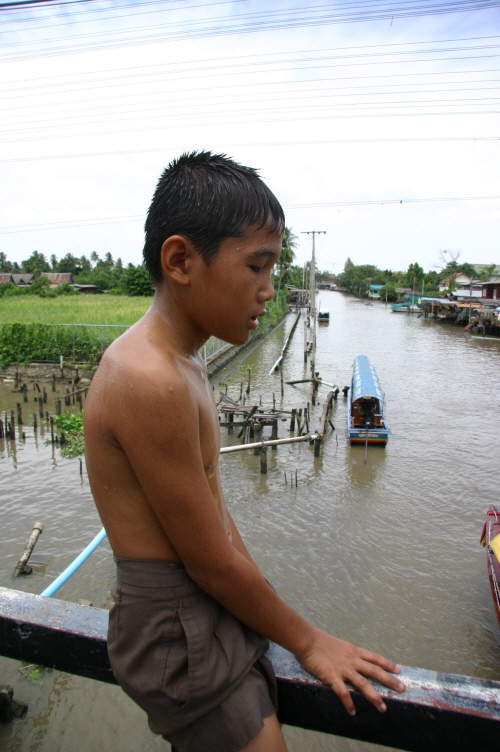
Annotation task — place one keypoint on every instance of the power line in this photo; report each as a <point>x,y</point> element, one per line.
<point>190,124</point>
<point>175,149</point>
<point>40,3</point>
<point>67,224</point>
<point>262,21</point>
<point>322,110</point>
<point>226,60</point>
<point>279,97</point>
<point>210,117</point>
<point>222,64</point>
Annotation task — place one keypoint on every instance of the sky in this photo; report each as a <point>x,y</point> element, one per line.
<point>375,122</point>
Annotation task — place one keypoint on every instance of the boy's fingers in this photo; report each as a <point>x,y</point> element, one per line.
<point>340,689</point>
<point>383,677</point>
<point>379,660</point>
<point>368,691</point>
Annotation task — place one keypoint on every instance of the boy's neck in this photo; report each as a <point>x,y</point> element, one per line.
<point>172,323</point>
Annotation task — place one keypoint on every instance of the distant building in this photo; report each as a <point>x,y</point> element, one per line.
<point>22,280</point>
<point>374,291</point>
<point>58,278</point>
<point>491,289</point>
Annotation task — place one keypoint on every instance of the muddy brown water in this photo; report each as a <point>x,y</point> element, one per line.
<point>384,554</point>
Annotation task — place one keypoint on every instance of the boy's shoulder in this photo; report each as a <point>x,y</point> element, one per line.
<point>144,378</point>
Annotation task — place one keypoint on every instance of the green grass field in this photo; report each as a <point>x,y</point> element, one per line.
<point>36,329</point>
<point>73,309</point>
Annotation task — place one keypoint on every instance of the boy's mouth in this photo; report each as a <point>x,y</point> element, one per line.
<point>253,322</point>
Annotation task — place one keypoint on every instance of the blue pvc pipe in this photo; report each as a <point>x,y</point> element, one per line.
<point>71,569</point>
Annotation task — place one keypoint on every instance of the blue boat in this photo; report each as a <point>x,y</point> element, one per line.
<point>365,417</point>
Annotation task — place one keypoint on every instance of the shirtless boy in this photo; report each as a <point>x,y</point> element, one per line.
<point>192,616</point>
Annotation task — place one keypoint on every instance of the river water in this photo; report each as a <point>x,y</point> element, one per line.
<point>384,554</point>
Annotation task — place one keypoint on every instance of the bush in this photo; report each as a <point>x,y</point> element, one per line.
<point>71,424</point>
<point>23,343</point>
<point>8,290</point>
<point>38,285</point>
<point>65,290</point>
<point>391,293</point>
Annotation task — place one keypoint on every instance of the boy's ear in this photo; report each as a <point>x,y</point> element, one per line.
<point>176,258</point>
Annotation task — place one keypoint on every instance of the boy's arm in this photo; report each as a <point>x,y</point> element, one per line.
<point>169,466</point>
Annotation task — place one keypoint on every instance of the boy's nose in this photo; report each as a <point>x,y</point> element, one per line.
<point>267,292</point>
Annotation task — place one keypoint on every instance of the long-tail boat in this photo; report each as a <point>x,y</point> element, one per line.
<point>490,538</point>
<point>365,416</point>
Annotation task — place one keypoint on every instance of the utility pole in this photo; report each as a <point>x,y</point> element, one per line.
<point>312,279</point>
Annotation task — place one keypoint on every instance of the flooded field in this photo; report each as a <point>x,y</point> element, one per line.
<point>384,554</point>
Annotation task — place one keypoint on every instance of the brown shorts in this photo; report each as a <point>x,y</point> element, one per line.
<point>199,673</point>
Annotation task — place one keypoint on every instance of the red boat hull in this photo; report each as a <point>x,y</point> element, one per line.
<point>490,530</point>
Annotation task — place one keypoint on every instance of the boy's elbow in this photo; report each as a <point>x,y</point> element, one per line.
<point>214,577</point>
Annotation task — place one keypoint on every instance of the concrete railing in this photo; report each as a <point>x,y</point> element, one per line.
<point>437,713</point>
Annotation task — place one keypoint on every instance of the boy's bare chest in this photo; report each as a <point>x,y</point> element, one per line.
<point>209,430</point>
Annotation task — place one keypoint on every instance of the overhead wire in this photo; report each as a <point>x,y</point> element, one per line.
<point>45,118</point>
<point>228,59</point>
<point>260,144</point>
<point>252,22</point>
<point>252,121</point>
<point>67,224</point>
<point>291,64</point>
<point>173,116</point>
<point>101,10</point>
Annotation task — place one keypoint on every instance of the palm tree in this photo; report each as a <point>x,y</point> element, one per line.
<point>288,243</point>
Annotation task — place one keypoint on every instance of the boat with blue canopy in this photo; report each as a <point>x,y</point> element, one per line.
<point>365,417</point>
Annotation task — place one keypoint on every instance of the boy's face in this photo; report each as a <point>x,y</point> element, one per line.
<point>232,290</point>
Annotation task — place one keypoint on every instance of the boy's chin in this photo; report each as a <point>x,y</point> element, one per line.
<point>238,340</point>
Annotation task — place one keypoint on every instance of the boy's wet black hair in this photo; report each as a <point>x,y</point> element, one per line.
<point>208,198</point>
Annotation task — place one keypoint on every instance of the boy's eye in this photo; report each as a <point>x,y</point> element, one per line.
<point>257,269</point>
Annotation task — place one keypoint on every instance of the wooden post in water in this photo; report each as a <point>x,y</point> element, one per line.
<point>25,392</point>
<point>21,564</point>
<point>248,385</point>
<point>292,420</point>
<point>281,380</point>
<point>263,460</point>
<point>274,432</point>
<point>40,406</point>
<point>53,382</point>
<point>230,421</point>
<point>19,414</point>
<point>58,406</point>
<point>1,428</point>
<point>34,421</point>
<point>44,395</point>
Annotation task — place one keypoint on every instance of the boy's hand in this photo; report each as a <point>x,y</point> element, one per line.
<point>334,662</point>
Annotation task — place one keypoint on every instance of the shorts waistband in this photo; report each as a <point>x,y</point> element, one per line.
<point>151,572</point>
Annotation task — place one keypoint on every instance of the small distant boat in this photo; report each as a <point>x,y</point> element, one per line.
<point>324,315</point>
<point>490,538</point>
<point>365,416</point>
<point>406,308</point>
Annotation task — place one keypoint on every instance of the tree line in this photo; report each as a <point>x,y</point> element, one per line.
<point>112,276</point>
<point>105,273</point>
<point>357,279</point>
